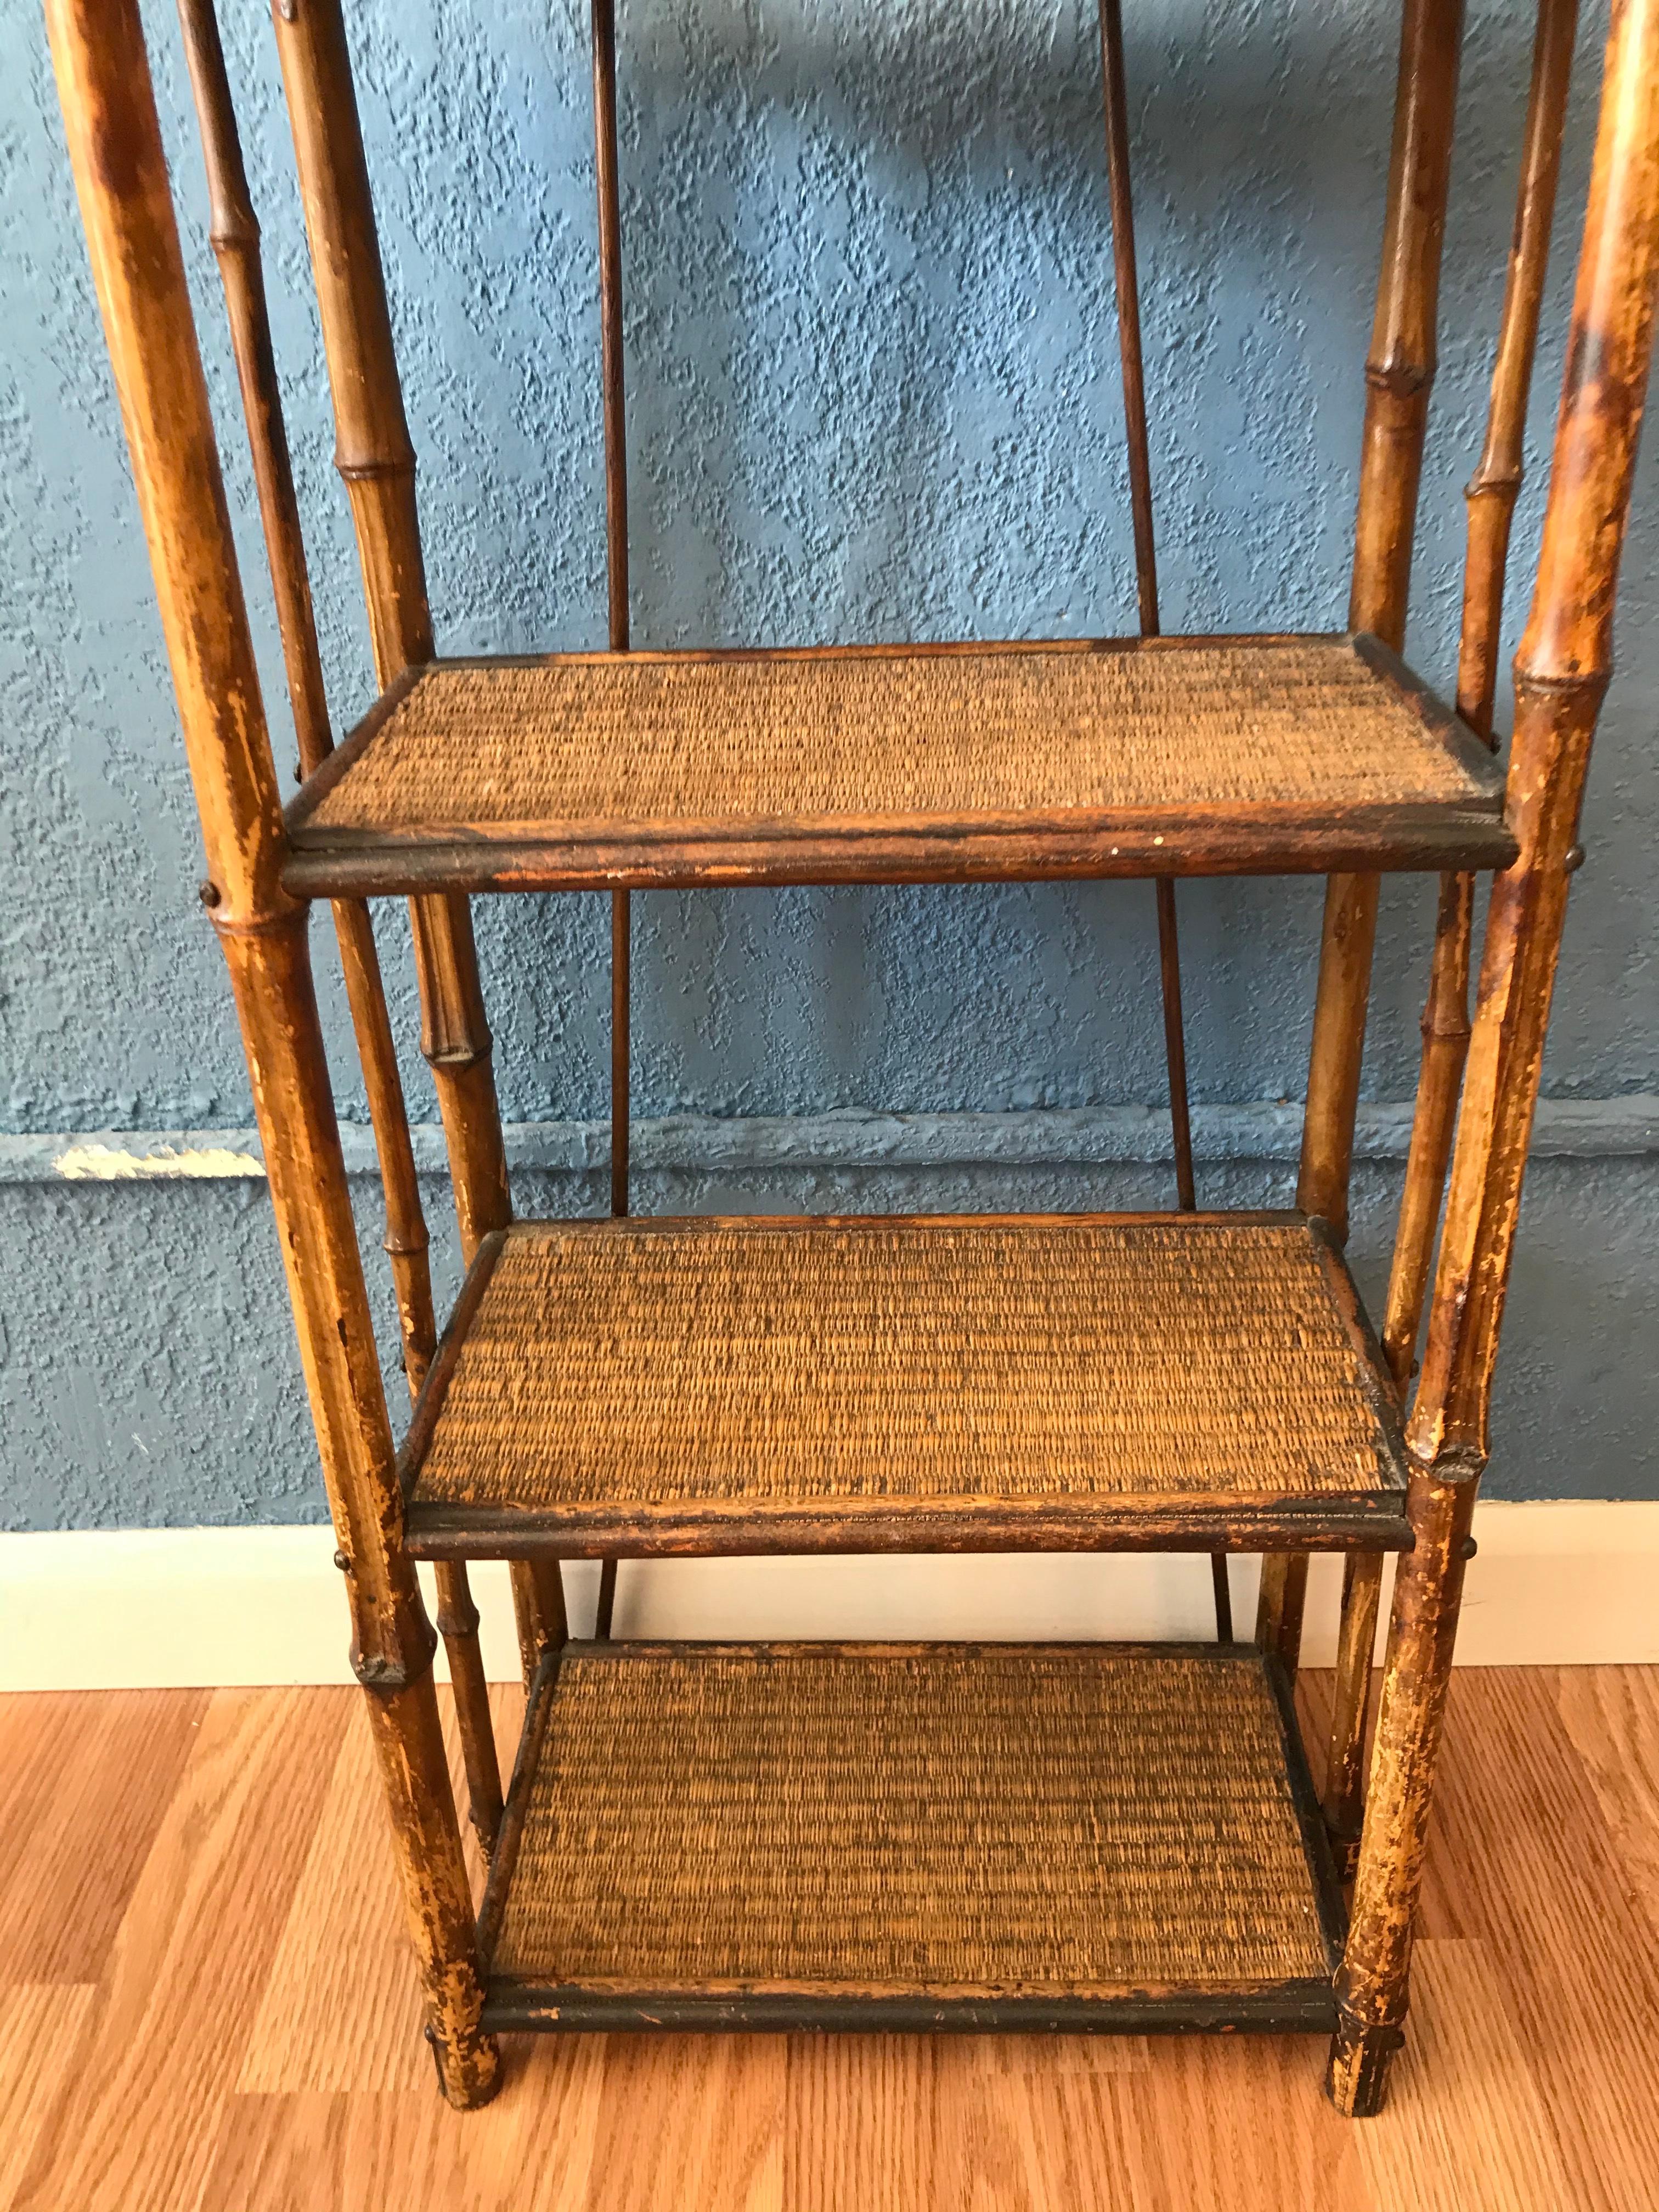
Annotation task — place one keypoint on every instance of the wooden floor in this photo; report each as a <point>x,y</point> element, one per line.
<point>205,2007</point>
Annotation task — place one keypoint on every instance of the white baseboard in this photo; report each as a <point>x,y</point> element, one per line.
<point>1556,1584</point>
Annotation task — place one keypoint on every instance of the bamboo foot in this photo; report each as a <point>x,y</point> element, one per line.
<point>1357,2072</point>
<point>469,2075</point>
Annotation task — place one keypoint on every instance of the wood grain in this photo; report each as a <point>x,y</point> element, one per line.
<point>82,1831</point>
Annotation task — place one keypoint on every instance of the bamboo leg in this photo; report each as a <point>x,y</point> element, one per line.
<point>538,1600</point>
<point>1371,1983</point>
<point>1561,674</point>
<point>602,28</point>
<point>235,231</point>
<point>120,173</point>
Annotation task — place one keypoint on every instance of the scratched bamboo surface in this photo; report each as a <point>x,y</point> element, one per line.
<point>205,2006</point>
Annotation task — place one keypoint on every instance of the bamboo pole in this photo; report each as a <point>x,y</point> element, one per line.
<point>1344,1799</point>
<point>115,148</point>
<point>1561,675</point>
<point>376,462</point>
<point>1490,500</point>
<point>233,230</point>
<point>1399,373</point>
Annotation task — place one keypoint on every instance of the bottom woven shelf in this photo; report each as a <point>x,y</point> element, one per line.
<point>911,1837</point>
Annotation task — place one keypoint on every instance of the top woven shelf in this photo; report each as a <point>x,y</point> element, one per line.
<point>888,763</point>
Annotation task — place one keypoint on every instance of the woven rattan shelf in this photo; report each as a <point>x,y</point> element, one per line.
<point>911,1836</point>
<point>912,1383</point>
<point>1166,755</point>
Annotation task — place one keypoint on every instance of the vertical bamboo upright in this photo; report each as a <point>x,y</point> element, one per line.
<point>1561,674</point>
<point>115,148</point>
<point>1491,499</point>
<point>235,231</point>
<point>1399,375</point>
<point>376,461</point>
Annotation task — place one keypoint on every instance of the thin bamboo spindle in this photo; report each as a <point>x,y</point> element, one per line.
<point>1490,500</point>
<point>1127,290</point>
<point>1496,483</point>
<point>234,233</point>
<point>115,148</point>
<point>606,171</point>
<point>1561,675</point>
<point>1399,375</point>
<point>376,462</point>
<point>616,530</point>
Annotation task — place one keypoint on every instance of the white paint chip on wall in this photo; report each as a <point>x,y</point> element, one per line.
<point>1563,1583</point>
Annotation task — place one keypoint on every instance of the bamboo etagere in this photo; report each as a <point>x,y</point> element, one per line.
<point>913,1837</point>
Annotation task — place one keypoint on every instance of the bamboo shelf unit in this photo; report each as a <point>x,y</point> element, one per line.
<point>901,1836</point>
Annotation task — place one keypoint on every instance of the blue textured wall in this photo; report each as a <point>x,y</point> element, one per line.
<point>872,394</point>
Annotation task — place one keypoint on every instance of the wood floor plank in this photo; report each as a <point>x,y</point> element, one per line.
<point>861,2123</point>
<point>190,1959</point>
<point>342,2008</point>
<point>1235,2121</point>
<point>1031,2138</point>
<point>531,2150</point>
<point>1521,1840</point>
<point>118,1762</point>
<point>1468,2127</point>
<point>688,2120</point>
<point>45,2027</point>
<point>1612,1715</point>
<point>1526,2081</point>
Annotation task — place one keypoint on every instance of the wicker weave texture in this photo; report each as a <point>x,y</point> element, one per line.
<point>950,735</point>
<point>1011,1818</point>
<point>630,1364</point>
